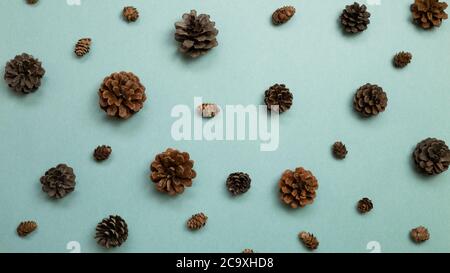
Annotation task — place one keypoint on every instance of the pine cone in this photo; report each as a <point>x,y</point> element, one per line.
<point>248,250</point>
<point>111,232</point>
<point>365,205</point>
<point>122,95</point>
<point>24,73</point>
<point>355,18</point>
<point>172,171</point>
<point>339,150</point>
<point>428,13</point>
<point>298,188</point>
<point>130,14</point>
<point>196,34</point>
<point>82,47</point>
<point>238,183</point>
<point>420,234</point>
<point>370,100</point>
<point>58,181</point>
<point>402,59</point>
<point>197,221</point>
<point>31,2</point>
<point>26,228</point>
<point>432,156</point>
<point>102,152</point>
<point>282,15</point>
<point>208,110</point>
<point>309,240</point>
<point>278,95</point>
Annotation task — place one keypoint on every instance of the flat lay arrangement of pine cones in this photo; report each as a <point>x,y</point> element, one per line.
<point>122,95</point>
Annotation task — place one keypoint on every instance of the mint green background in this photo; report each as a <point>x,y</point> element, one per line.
<point>63,123</point>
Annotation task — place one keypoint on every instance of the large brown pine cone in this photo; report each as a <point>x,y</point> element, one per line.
<point>122,95</point>
<point>111,232</point>
<point>26,228</point>
<point>282,15</point>
<point>298,188</point>
<point>24,73</point>
<point>369,100</point>
<point>197,221</point>
<point>309,240</point>
<point>278,95</point>
<point>419,234</point>
<point>172,171</point>
<point>196,34</point>
<point>432,156</point>
<point>238,183</point>
<point>428,13</point>
<point>355,18</point>
<point>58,181</point>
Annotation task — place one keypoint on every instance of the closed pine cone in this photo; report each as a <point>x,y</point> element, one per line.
<point>196,34</point>
<point>309,240</point>
<point>197,221</point>
<point>82,47</point>
<point>402,59</point>
<point>26,228</point>
<point>111,232</point>
<point>172,171</point>
<point>428,13</point>
<point>238,183</point>
<point>370,100</point>
<point>24,73</point>
<point>282,15</point>
<point>298,188</point>
<point>365,205</point>
<point>130,14</point>
<point>420,234</point>
<point>432,156</point>
<point>102,152</point>
<point>248,250</point>
<point>355,18</point>
<point>339,150</point>
<point>122,95</point>
<point>278,97</point>
<point>58,181</point>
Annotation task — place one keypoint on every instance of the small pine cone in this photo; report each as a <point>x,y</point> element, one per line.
<point>355,18</point>
<point>402,59</point>
<point>197,221</point>
<point>111,232</point>
<point>420,234</point>
<point>248,250</point>
<point>172,171</point>
<point>370,100</point>
<point>298,187</point>
<point>428,13</point>
<point>102,152</point>
<point>24,73</point>
<point>278,97</point>
<point>26,228</point>
<point>282,15</point>
<point>309,240</point>
<point>339,150</point>
<point>208,110</point>
<point>83,46</point>
<point>238,183</point>
<point>196,34</point>
<point>32,2</point>
<point>432,156</point>
<point>58,181</point>
<point>122,95</point>
<point>130,14</point>
<point>365,205</point>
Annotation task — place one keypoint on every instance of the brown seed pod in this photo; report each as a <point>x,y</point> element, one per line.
<point>197,221</point>
<point>26,228</point>
<point>282,15</point>
<point>83,46</point>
